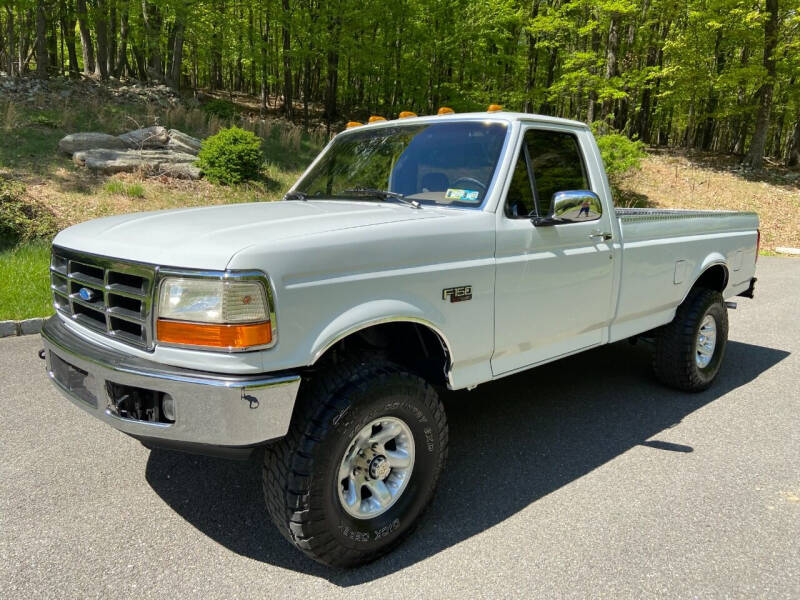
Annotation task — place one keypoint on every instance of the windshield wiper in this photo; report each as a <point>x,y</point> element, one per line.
<point>296,195</point>
<point>383,195</point>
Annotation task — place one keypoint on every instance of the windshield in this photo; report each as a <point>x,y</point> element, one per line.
<point>439,163</point>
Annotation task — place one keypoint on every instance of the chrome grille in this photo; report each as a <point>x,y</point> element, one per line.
<point>106,295</point>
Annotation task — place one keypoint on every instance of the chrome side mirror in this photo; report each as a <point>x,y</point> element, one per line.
<point>572,206</point>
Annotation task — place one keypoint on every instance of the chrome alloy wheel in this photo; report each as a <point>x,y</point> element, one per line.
<point>376,468</point>
<point>706,341</point>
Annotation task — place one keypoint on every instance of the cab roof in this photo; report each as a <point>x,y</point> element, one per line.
<point>488,116</point>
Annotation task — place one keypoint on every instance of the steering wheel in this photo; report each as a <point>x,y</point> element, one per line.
<point>474,183</point>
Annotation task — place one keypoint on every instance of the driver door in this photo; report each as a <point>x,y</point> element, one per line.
<point>553,283</point>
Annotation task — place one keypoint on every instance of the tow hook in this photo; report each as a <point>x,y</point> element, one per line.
<point>41,353</point>
<point>731,305</point>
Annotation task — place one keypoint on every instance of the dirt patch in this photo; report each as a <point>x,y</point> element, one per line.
<point>708,182</point>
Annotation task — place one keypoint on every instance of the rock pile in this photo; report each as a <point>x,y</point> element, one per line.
<point>31,90</point>
<point>154,150</point>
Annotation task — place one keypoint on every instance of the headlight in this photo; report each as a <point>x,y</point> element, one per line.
<point>222,313</point>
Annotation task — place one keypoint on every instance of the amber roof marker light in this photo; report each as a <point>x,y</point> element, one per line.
<point>351,124</point>
<point>494,108</point>
<point>445,110</point>
<point>376,118</point>
<point>406,114</point>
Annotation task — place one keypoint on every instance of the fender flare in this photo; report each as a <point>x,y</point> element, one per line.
<point>369,314</point>
<point>712,260</point>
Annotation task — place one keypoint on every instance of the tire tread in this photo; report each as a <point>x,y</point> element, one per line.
<point>288,463</point>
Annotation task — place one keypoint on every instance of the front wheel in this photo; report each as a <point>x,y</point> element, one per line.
<point>689,350</point>
<point>360,462</point>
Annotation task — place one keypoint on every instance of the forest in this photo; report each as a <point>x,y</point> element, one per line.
<point>712,75</point>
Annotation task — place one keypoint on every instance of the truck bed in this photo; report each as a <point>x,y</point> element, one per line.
<point>665,250</point>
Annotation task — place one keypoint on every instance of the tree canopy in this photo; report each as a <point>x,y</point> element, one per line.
<point>709,74</point>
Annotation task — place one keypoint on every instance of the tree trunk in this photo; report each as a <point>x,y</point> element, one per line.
<point>140,59</point>
<point>533,56</point>
<point>793,147</point>
<point>176,62</point>
<point>87,47</point>
<point>52,38</point>
<point>264,30</point>
<point>11,42</point>
<point>122,49</point>
<point>152,26</point>
<point>101,32</point>
<point>287,63</point>
<point>111,59</point>
<point>546,107</point>
<point>755,157</point>
<point>42,60</point>
<point>612,49</point>
<point>68,31</point>
<point>333,69</point>
<point>215,76</point>
<point>707,134</point>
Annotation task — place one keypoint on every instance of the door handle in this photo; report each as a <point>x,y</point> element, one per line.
<point>601,235</point>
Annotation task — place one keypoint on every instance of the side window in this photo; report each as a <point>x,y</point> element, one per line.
<point>557,165</point>
<point>519,200</point>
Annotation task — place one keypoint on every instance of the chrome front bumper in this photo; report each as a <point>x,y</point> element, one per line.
<point>210,409</point>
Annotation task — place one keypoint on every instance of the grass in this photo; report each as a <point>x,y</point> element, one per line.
<point>25,282</point>
<point>115,187</point>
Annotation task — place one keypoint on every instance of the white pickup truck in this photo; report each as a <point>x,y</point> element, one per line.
<point>413,256</point>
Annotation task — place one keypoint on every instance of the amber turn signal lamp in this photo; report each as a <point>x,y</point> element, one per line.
<point>214,335</point>
<point>351,124</point>
<point>494,108</point>
<point>376,118</point>
<point>445,110</point>
<point>406,114</point>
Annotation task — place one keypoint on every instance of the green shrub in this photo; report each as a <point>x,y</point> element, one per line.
<point>220,108</point>
<point>620,154</point>
<point>21,220</point>
<point>231,156</point>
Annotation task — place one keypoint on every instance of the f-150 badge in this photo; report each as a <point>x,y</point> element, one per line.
<point>457,294</point>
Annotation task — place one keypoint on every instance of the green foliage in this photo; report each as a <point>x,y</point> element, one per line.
<point>120,188</point>
<point>620,154</point>
<point>669,73</point>
<point>24,281</point>
<point>21,220</point>
<point>44,120</point>
<point>220,108</point>
<point>231,156</point>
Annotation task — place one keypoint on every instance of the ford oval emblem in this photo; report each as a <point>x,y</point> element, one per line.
<point>86,294</point>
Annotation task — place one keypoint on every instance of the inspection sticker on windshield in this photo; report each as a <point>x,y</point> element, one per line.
<point>456,194</point>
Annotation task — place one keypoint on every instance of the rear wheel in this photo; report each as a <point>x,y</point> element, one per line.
<point>360,463</point>
<point>689,350</point>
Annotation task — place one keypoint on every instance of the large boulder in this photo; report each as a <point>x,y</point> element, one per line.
<point>181,142</point>
<point>180,170</point>
<point>78,142</point>
<point>148,137</point>
<point>154,162</point>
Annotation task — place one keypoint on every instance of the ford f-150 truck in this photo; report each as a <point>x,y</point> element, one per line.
<point>413,256</point>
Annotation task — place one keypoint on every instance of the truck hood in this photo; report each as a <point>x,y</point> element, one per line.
<point>207,237</point>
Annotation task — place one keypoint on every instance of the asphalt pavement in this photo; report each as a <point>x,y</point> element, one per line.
<point>583,478</point>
